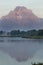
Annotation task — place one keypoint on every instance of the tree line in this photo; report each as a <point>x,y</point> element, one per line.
<point>23,33</point>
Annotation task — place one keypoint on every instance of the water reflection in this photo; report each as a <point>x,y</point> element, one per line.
<point>19,48</point>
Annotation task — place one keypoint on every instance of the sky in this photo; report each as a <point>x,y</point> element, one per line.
<point>35,5</point>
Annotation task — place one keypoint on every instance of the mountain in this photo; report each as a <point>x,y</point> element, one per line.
<point>20,18</point>
<point>20,13</point>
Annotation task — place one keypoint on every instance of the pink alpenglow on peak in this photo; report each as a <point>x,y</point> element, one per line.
<point>20,12</point>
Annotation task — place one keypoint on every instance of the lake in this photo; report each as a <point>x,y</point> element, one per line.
<point>20,51</point>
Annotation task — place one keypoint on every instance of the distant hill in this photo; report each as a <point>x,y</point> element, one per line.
<point>20,18</point>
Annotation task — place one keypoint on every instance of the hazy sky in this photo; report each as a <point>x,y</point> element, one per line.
<point>35,5</point>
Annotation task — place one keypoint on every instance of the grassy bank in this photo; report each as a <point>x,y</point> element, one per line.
<point>37,64</point>
<point>29,37</point>
<point>33,37</point>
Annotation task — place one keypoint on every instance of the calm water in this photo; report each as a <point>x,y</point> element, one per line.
<point>20,51</point>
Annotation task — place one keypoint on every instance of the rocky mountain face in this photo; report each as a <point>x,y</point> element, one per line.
<point>20,18</point>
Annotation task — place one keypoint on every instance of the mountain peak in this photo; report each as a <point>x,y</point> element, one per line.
<point>20,12</point>
<point>20,7</point>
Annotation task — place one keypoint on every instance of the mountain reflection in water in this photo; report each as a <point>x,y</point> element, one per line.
<point>20,49</point>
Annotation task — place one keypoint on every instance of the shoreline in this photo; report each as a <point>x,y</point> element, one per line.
<point>27,37</point>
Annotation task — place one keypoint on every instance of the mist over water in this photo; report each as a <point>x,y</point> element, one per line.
<point>20,51</point>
